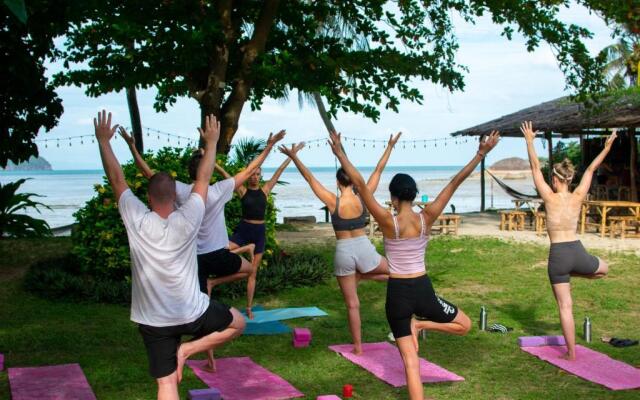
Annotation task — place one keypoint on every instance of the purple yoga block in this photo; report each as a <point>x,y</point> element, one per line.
<point>204,394</point>
<point>302,334</point>
<point>555,341</point>
<point>1,362</point>
<point>534,341</point>
<point>328,397</point>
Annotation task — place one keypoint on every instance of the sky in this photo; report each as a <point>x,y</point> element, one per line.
<point>502,78</point>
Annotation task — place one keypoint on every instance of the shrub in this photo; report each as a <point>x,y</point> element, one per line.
<point>13,222</point>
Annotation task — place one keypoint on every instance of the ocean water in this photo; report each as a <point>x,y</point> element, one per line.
<point>67,191</point>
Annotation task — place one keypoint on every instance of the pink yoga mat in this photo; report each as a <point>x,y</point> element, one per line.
<point>591,365</point>
<point>57,382</point>
<point>239,378</point>
<point>383,360</point>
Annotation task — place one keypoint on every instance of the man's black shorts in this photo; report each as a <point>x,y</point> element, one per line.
<point>218,263</point>
<point>162,342</point>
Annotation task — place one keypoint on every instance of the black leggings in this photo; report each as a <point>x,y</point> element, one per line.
<point>415,296</point>
<point>566,258</point>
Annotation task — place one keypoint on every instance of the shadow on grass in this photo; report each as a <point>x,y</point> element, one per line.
<point>525,315</point>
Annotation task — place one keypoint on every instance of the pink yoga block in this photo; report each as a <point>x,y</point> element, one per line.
<point>300,343</point>
<point>302,334</point>
<point>533,341</point>
<point>204,394</point>
<point>328,397</point>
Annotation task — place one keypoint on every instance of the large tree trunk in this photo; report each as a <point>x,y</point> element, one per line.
<point>134,114</point>
<point>323,112</point>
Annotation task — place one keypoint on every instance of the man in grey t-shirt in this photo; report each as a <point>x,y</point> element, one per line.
<point>166,300</point>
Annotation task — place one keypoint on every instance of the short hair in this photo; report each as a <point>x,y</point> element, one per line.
<point>162,187</point>
<point>194,162</point>
<point>343,178</point>
<point>564,170</point>
<point>403,187</point>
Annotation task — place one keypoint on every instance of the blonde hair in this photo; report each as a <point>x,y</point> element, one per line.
<point>564,170</point>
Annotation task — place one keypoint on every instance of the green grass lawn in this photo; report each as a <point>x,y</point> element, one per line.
<point>509,279</point>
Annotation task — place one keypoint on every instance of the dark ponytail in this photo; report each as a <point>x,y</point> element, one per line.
<point>403,187</point>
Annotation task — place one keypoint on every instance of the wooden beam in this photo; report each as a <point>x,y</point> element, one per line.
<point>482,185</point>
<point>633,163</point>
<point>550,143</point>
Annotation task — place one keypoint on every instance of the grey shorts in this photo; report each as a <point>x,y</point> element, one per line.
<point>355,254</point>
<point>566,258</point>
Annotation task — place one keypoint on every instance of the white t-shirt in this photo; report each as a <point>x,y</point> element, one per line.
<point>213,231</point>
<point>164,268</point>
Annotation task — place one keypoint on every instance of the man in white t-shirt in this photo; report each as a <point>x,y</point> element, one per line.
<point>214,257</point>
<point>166,300</point>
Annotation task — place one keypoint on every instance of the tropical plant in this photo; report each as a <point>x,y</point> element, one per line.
<point>13,222</point>
<point>224,54</point>
<point>622,61</point>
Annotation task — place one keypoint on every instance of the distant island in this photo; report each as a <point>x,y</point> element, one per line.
<point>34,164</point>
<point>508,168</point>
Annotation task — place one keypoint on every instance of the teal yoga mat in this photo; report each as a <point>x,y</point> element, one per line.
<point>280,314</point>
<point>265,328</point>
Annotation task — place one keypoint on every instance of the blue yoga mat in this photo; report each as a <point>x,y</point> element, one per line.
<point>265,328</point>
<point>279,314</point>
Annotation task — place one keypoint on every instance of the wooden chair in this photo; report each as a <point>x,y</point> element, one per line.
<point>624,226</point>
<point>512,220</point>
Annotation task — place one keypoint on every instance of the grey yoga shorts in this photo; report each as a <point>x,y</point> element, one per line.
<point>566,258</point>
<point>353,254</point>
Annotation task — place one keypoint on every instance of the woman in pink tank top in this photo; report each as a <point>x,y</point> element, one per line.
<point>411,303</point>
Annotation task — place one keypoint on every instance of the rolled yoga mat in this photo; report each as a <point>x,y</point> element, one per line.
<point>55,382</point>
<point>590,365</point>
<point>384,362</point>
<point>239,378</point>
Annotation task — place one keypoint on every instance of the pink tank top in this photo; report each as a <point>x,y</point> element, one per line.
<point>406,256</point>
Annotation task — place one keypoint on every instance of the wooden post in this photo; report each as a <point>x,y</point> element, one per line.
<point>482,184</point>
<point>550,140</point>
<point>633,161</point>
<point>582,153</point>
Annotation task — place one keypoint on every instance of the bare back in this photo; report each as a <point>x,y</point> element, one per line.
<point>350,206</point>
<point>563,212</point>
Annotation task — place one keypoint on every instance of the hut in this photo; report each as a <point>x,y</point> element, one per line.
<point>565,118</point>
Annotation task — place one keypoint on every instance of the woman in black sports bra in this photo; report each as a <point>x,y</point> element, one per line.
<point>355,258</point>
<point>251,229</point>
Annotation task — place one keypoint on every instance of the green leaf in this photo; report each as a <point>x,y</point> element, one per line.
<point>18,9</point>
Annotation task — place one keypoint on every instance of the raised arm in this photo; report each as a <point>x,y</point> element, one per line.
<point>434,209</point>
<point>380,213</point>
<point>538,179</point>
<point>137,157</point>
<point>374,179</point>
<point>325,196</point>
<point>243,175</point>
<point>104,133</point>
<point>240,190</point>
<point>585,183</point>
<point>268,187</point>
<point>210,137</point>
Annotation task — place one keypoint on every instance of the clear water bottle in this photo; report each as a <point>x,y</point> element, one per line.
<point>586,329</point>
<point>483,319</point>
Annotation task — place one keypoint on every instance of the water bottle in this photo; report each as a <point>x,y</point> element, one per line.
<point>483,319</point>
<point>425,198</point>
<point>586,329</point>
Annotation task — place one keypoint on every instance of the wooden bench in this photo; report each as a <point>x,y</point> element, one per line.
<point>624,226</point>
<point>446,223</point>
<point>512,220</point>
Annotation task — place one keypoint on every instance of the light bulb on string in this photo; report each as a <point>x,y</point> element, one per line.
<point>69,142</point>
<point>45,144</point>
<point>414,144</point>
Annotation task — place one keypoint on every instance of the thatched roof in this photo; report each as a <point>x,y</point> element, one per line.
<point>563,117</point>
<point>511,164</point>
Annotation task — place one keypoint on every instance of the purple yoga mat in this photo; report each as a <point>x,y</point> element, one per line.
<point>591,365</point>
<point>56,382</point>
<point>239,378</point>
<point>383,360</point>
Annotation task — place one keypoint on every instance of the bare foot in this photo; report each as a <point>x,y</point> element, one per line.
<point>249,313</point>
<point>182,359</point>
<point>357,350</point>
<point>414,333</point>
<point>569,357</point>
<point>211,362</point>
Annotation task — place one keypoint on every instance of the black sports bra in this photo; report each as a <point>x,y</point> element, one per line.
<point>350,224</point>
<point>254,204</point>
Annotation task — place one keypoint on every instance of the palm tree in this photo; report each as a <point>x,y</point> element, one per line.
<point>623,60</point>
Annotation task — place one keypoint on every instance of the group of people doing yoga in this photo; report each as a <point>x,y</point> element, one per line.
<point>180,249</point>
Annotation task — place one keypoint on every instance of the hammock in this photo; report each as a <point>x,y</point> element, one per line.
<point>512,192</point>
